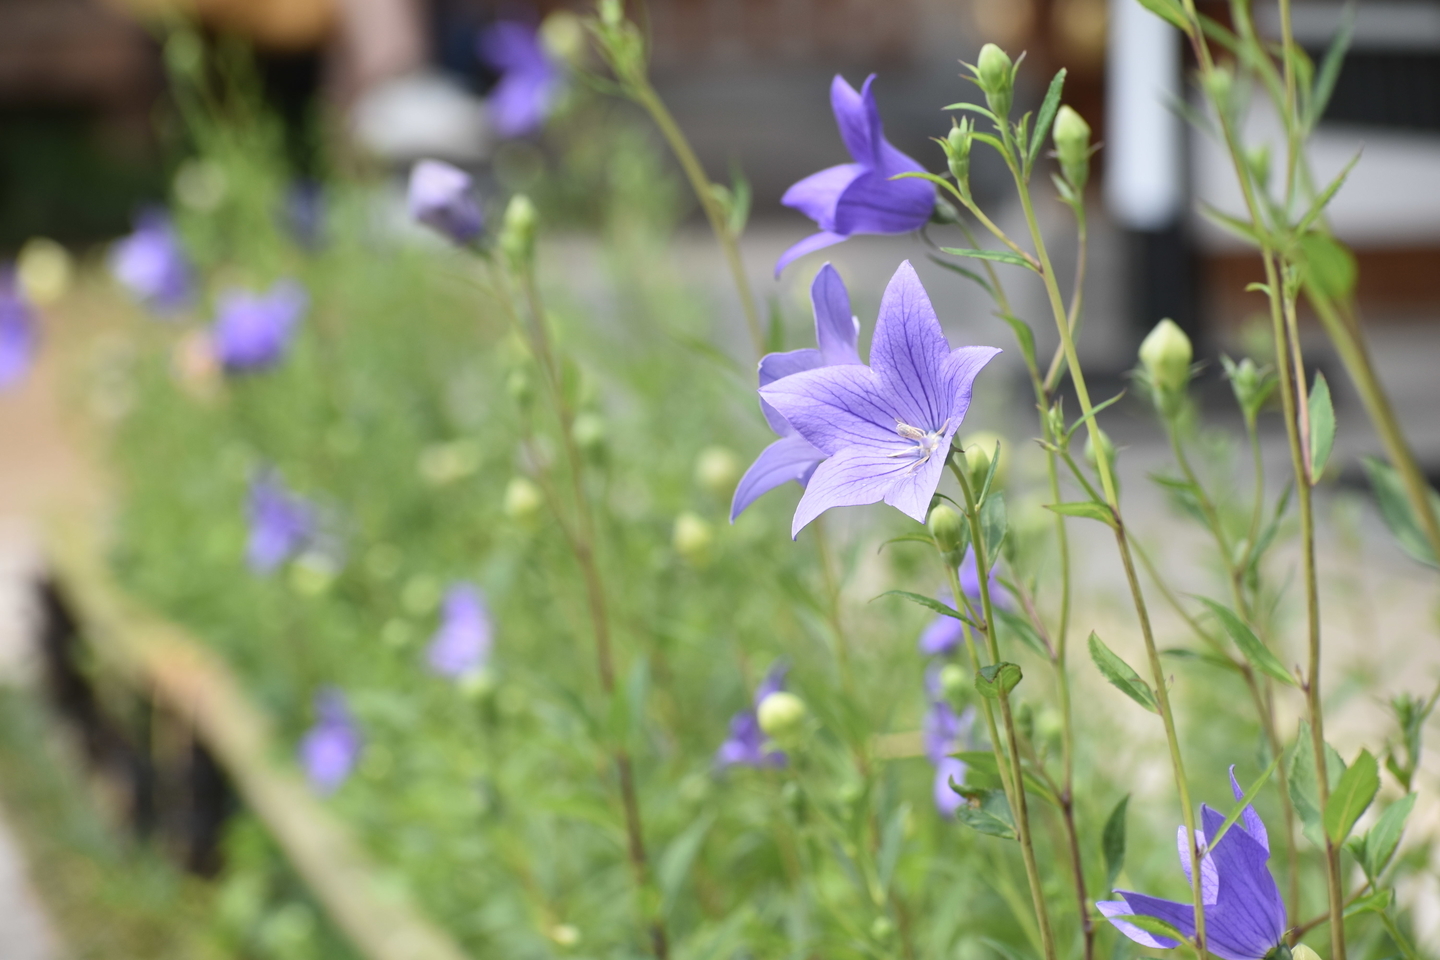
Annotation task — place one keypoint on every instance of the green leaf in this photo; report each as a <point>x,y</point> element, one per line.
<point>1247,798</point>
<point>1168,10</point>
<point>1303,793</point>
<point>1330,267</point>
<point>892,841</point>
<point>1330,68</point>
<point>1023,335</point>
<point>1377,902</point>
<point>930,603</point>
<point>989,478</point>
<point>999,256</point>
<point>924,538</point>
<point>988,813</point>
<point>1085,508</point>
<point>997,678</point>
<point>1322,427</point>
<point>1394,506</point>
<point>1322,200</point>
<point>1243,230</point>
<point>1352,795</point>
<point>1016,625</point>
<point>1112,841</point>
<point>1250,645</point>
<point>1045,118</point>
<point>993,525</point>
<point>1094,411</point>
<point>679,856</point>
<point>740,197</point>
<point>1384,837</point>
<point>1120,674</point>
<point>967,274</point>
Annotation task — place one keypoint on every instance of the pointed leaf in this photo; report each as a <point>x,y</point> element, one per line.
<point>1321,201</point>
<point>993,525</point>
<point>1394,506</point>
<point>1112,842</point>
<point>967,274</point>
<point>1169,11</point>
<point>1085,508</point>
<point>1353,794</point>
<point>1384,837</point>
<point>1330,68</point>
<point>1250,645</point>
<point>1377,902</point>
<point>1322,427</point>
<point>988,814</point>
<point>1330,267</point>
<point>1045,118</point>
<point>999,256</point>
<point>998,678</point>
<point>1013,624</point>
<point>679,856</point>
<point>930,603</point>
<point>1120,674</point>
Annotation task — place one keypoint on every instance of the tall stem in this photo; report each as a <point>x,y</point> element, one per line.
<point>1017,772</point>
<point>582,544</point>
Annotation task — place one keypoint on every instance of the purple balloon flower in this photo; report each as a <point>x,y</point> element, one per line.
<point>944,634</point>
<point>253,331</point>
<point>945,732</point>
<point>281,523</point>
<point>330,748</point>
<point>462,644</point>
<point>1244,915</point>
<point>152,265</point>
<point>886,428</point>
<point>529,79</point>
<point>747,745</point>
<point>440,198</point>
<point>792,457</point>
<point>859,197</point>
<point>17,331</point>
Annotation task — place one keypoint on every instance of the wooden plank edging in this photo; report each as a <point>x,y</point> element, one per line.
<point>196,685</point>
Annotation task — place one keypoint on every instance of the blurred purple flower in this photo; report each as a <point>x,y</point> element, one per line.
<point>792,457</point>
<point>17,331</point>
<point>152,265</point>
<point>1244,916</point>
<point>944,634</point>
<point>440,198</point>
<point>747,745</point>
<point>859,197</point>
<point>462,644</point>
<point>282,523</point>
<point>886,428</point>
<point>529,79</point>
<point>253,331</point>
<point>305,212</point>
<point>330,748</point>
<point>945,732</point>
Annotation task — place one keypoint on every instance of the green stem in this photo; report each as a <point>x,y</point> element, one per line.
<point>1017,773</point>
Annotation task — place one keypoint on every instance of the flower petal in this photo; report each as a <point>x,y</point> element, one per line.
<point>789,458</point>
<point>947,801</point>
<point>1209,878</point>
<point>962,368</point>
<point>873,203</point>
<point>816,241</point>
<point>858,119</point>
<point>837,407</point>
<point>1253,824</point>
<point>1249,915</point>
<point>909,353</point>
<point>837,330</point>
<point>817,194</point>
<point>942,636</point>
<point>774,366</point>
<point>1179,915</point>
<point>914,489</point>
<point>853,477</point>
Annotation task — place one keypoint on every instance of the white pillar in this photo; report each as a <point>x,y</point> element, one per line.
<point>1144,139</point>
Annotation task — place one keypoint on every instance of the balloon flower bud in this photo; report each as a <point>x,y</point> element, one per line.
<point>952,682</point>
<point>693,538</point>
<point>589,432</point>
<point>1072,146</point>
<point>522,499</point>
<point>44,269</point>
<point>947,528</point>
<point>1166,355</point>
<point>716,470</point>
<point>517,237</point>
<point>979,450</point>
<point>782,715</point>
<point>957,152</point>
<point>996,74</point>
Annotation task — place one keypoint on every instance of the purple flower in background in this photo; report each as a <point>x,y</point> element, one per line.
<point>462,644</point>
<point>529,79</point>
<point>17,331</point>
<point>747,745</point>
<point>944,634</point>
<point>281,523</point>
<point>859,197</point>
<point>792,457</point>
<point>440,198</point>
<point>152,265</point>
<point>945,732</point>
<point>330,748</point>
<point>253,331</point>
<point>886,428</point>
<point>1244,915</point>
<point>305,212</point>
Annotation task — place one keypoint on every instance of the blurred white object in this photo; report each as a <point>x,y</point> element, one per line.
<point>1144,187</point>
<point>422,115</point>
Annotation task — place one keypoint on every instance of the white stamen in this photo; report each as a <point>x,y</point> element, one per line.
<point>926,444</point>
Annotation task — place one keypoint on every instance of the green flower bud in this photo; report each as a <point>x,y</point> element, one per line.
<point>947,528</point>
<point>563,34</point>
<point>612,12</point>
<point>1072,145</point>
<point>523,499</point>
<point>693,538</point>
<point>1257,158</point>
<point>952,682</point>
<point>589,432</point>
<point>1166,354</point>
<point>882,929</point>
<point>716,470</point>
<point>521,388</point>
<point>1219,84</point>
<point>1251,385</point>
<point>782,715</point>
<point>517,234</point>
<point>1055,423</point>
<point>1302,952</point>
<point>957,152</point>
<point>995,71</point>
<point>979,448</point>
